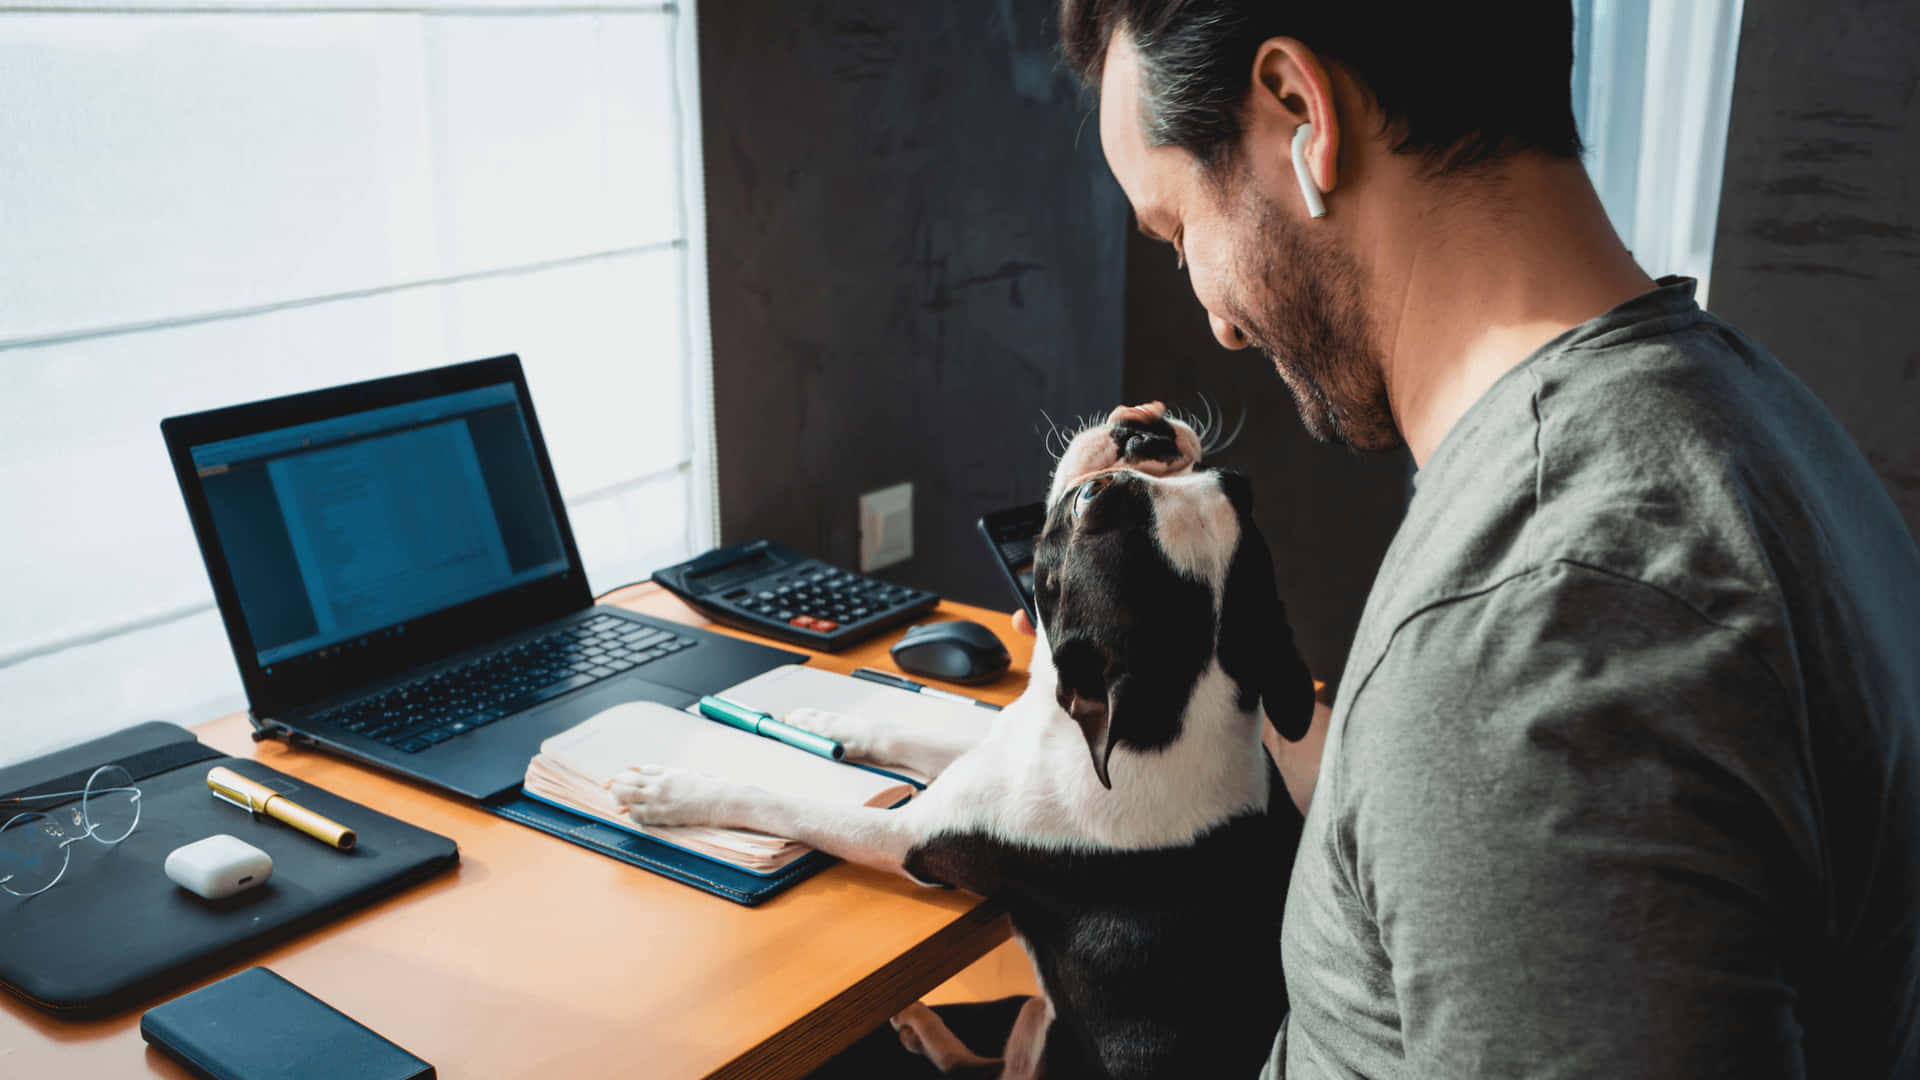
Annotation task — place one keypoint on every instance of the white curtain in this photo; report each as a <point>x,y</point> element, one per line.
<point>1652,86</point>
<point>210,203</point>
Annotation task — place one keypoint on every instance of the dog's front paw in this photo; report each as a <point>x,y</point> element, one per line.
<point>858,735</point>
<point>658,795</point>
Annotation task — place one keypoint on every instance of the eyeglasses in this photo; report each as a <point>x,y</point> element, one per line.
<point>34,844</point>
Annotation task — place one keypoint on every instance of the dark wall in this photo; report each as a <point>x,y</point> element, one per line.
<point>914,248</point>
<point>1817,254</point>
<point>1328,514</point>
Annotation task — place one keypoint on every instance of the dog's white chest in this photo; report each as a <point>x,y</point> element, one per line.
<point>1032,780</point>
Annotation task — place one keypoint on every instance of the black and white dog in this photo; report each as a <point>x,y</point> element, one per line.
<point>1123,808</point>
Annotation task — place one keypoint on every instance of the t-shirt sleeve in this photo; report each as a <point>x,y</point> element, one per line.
<point>1578,814</point>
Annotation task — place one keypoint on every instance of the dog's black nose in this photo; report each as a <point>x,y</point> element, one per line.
<point>1150,440</point>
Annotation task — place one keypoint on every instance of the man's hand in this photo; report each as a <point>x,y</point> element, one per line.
<point>1299,762</point>
<point>1152,410</point>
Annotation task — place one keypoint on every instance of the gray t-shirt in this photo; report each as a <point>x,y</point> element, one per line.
<point>1624,777</point>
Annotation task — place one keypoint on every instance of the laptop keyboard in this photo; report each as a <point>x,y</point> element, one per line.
<point>454,702</point>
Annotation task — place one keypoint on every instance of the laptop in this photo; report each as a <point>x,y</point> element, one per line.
<point>400,585</point>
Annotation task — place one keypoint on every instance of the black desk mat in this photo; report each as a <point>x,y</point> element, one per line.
<point>116,932</point>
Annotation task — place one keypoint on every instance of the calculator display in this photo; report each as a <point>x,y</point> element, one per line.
<point>721,577</point>
<point>772,590</point>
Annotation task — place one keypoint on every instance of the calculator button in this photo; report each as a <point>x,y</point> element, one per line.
<point>804,622</point>
<point>825,626</point>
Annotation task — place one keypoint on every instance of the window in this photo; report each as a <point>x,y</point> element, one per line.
<point>1652,88</point>
<point>207,204</point>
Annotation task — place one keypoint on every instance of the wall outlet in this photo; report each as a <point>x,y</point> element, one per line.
<point>886,527</point>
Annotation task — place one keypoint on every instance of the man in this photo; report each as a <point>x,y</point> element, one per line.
<point>1623,778</point>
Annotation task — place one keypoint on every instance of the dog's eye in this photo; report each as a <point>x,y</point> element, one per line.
<point>1087,491</point>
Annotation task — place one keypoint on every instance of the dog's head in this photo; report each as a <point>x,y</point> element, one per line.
<point>1148,571</point>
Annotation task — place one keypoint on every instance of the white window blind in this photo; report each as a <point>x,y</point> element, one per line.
<point>210,203</point>
<point>1652,90</point>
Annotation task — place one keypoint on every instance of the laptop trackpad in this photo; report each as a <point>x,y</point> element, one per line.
<point>496,762</point>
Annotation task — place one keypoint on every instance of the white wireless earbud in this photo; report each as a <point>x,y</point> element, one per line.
<point>1308,190</point>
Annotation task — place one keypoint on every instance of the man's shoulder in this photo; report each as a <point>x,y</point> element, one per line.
<point>1537,633</point>
<point>1559,688</point>
<point>1643,459</point>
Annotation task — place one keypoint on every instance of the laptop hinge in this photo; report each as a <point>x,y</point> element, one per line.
<point>273,729</point>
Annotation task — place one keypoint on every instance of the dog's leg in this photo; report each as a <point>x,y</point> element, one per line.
<point>926,746</point>
<point>1027,1040</point>
<point>923,1032</point>
<point>658,795</point>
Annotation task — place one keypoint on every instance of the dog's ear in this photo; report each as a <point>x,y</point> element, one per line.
<point>1256,646</point>
<point>1082,690</point>
<point>1114,706</point>
<point>1095,718</point>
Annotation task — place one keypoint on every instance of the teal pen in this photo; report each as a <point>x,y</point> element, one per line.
<point>733,714</point>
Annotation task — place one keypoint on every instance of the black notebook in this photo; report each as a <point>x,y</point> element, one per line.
<point>116,932</point>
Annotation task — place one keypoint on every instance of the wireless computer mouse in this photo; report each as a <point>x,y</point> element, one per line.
<point>956,650</point>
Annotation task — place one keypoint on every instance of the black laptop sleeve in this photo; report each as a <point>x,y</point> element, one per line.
<point>116,931</point>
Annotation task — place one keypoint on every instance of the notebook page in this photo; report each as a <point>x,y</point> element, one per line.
<point>796,686</point>
<point>645,733</point>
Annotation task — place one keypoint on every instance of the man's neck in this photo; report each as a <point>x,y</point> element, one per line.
<point>1476,278</point>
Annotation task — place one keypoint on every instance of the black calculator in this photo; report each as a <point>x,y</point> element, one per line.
<point>780,593</point>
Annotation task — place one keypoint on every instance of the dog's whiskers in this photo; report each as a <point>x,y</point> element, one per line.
<point>1053,432</point>
<point>1207,426</point>
<point>1194,421</point>
<point>1239,424</point>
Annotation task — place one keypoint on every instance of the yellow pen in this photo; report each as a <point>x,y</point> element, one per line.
<point>230,786</point>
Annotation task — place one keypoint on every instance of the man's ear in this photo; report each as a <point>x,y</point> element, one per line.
<point>1291,87</point>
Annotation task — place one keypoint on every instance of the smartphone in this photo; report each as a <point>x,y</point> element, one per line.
<point>1011,534</point>
<point>257,1024</point>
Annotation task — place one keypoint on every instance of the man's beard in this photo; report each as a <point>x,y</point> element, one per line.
<point>1305,313</point>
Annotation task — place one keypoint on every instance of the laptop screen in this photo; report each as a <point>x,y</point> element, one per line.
<point>341,532</point>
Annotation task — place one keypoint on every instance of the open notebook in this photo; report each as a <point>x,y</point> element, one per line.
<point>574,767</point>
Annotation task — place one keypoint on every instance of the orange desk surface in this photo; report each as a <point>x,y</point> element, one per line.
<point>537,958</point>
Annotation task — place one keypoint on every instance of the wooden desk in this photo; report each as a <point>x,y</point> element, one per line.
<point>535,957</point>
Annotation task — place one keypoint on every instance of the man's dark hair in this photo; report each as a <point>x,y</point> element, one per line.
<point>1458,84</point>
